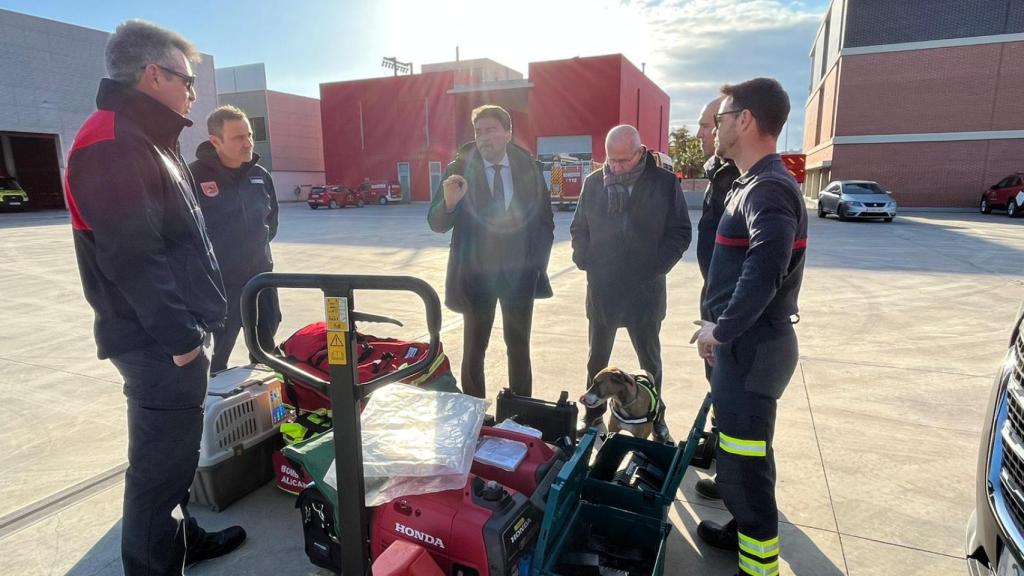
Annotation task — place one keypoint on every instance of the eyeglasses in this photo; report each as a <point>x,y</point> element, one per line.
<point>190,81</point>
<point>718,117</point>
<point>624,161</point>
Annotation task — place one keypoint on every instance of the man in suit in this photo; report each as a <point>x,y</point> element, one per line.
<point>495,202</point>
<point>630,228</point>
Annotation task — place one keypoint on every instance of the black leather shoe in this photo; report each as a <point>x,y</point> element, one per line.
<point>583,425</point>
<point>719,536</point>
<point>708,488</point>
<point>661,433</point>
<point>591,419</point>
<point>214,544</point>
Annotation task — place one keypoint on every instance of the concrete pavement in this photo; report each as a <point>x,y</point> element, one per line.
<point>903,326</point>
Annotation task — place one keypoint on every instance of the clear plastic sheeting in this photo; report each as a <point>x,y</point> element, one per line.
<point>416,441</point>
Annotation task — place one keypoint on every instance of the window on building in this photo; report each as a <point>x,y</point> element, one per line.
<point>259,128</point>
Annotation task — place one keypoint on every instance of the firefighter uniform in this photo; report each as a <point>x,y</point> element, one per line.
<point>753,285</point>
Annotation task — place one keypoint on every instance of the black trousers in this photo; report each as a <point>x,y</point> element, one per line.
<point>165,425</point>
<point>646,339</point>
<point>517,320</point>
<point>749,376</point>
<point>268,318</point>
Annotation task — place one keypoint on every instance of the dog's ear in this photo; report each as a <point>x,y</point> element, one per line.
<point>626,379</point>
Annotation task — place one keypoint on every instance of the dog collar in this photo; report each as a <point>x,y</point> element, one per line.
<point>643,383</point>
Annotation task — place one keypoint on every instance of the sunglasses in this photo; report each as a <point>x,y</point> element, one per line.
<point>718,117</point>
<point>190,81</point>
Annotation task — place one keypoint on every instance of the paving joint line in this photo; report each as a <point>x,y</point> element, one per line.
<point>61,370</point>
<point>55,503</point>
<point>824,472</point>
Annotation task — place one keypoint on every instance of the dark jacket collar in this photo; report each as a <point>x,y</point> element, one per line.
<point>206,154</point>
<point>714,165</point>
<point>758,167</point>
<point>159,122</point>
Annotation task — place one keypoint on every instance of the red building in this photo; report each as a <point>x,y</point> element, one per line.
<point>407,128</point>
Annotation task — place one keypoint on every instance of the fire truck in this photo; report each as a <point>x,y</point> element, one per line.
<point>796,164</point>
<point>567,174</point>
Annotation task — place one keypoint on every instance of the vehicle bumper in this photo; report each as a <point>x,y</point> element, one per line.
<point>13,201</point>
<point>850,213</point>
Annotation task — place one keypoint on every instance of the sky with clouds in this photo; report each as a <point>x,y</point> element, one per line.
<point>690,47</point>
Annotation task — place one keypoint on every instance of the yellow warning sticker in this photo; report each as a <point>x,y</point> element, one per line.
<point>336,352</point>
<point>336,309</point>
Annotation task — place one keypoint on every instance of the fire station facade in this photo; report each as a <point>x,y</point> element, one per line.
<point>407,128</point>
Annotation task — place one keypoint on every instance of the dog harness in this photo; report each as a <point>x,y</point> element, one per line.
<point>643,382</point>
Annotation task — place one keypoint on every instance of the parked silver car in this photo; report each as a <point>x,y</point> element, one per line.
<point>995,531</point>
<point>856,199</point>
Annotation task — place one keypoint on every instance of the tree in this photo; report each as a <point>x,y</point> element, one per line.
<point>686,152</point>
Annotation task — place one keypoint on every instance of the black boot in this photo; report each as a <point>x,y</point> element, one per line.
<point>591,419</point>
<point>213,544</point>
<point>708,488</point>
<point>661,433</point>
<point>719,536</point>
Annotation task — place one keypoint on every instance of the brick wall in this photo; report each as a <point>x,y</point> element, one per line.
<point>969,88</point>
<point>935,174</point>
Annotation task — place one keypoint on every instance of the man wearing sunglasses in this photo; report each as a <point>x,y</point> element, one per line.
<point>751,299</point>
<point>629,230</point>
<point>149,272</point>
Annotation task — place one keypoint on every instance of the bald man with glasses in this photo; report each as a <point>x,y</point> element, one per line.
<point>630,228</point>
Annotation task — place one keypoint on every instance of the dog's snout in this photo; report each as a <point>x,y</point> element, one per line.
<point>590,400</point>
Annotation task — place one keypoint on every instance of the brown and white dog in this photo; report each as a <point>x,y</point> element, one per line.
<point>632,399</point>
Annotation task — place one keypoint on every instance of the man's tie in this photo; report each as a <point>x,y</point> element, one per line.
<point>498,187</point>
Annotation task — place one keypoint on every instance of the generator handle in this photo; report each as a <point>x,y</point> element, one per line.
<point>339,285</point>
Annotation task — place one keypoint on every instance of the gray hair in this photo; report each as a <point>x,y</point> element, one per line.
<point>215,121</point>
<point>621,133</point>
<point>136,44</point>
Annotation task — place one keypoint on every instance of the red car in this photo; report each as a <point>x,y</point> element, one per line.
<point>1007,195</point>
<point>333,197</point>
<point>380,192</point>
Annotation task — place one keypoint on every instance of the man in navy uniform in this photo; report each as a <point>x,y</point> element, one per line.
<point>751,298</point>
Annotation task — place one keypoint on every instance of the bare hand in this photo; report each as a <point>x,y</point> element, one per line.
<point>706,342</point>
<point>454,189</point>
<point>184,359</point>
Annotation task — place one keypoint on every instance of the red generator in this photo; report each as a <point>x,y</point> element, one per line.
<point>487,527</point>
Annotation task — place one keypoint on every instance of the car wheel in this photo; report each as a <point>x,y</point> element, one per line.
<point>821,211</point>
<point>383,201</point>
<point>332,205</point>
<point>984,207</point>
<point>313,206</point>
<point>1012,210</point>
<point>842,213</point>
<point>360,203</point>
<point>887,219</point>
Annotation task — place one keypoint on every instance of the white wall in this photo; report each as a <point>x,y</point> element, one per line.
<point>49,73</point>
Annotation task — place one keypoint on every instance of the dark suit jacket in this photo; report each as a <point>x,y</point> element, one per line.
<point>626,255</point>
<point>488,244</point>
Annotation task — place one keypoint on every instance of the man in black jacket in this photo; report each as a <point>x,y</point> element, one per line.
<point>753,285</point>
<point>630,228</point>
<point>149,272</point>
<point>498,207</point>
<point>240,207</point>
<point>721,173</point>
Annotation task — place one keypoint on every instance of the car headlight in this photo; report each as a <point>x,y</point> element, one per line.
<point>853,204</point>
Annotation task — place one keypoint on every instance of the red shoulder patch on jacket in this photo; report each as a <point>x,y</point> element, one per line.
<point>99,127</point>
<point>210,189</point>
